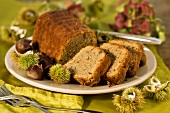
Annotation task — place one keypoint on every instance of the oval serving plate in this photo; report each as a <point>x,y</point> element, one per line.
<point>143,74</point>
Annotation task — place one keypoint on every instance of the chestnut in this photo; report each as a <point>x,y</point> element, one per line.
<point>23,45</point>
<point>35,72</point>
<point>46,63</point>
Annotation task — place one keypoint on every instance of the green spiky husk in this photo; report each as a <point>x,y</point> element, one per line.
<point>25,19</point>
<point>14,57</point>
<point>139,100</point>
<point>125,105</point>
<point>24,62</point>
<point>161,95</point>
<point>59,74</point>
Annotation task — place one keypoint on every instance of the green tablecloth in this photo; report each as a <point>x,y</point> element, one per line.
<point>101,102</point>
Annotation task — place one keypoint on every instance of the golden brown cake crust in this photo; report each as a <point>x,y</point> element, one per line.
<point>121,59</point>
<point>94,71</point>
<point>137,52</point>
<point>53,30</point>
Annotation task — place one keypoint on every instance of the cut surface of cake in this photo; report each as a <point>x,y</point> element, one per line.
<point>137,52</point>
<point>120,58</point>
<point>60,35</point>
<point>88,65</point>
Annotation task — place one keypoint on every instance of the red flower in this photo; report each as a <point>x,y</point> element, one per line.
<point>140,27</point>
<point>121,22</point>
<point>136,18</point>
<point>144,10</point>
<point>129,9</point>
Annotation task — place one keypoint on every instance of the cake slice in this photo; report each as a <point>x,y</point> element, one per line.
<point>137,52</point>
<point>120,58</point>
<point>88,65</point>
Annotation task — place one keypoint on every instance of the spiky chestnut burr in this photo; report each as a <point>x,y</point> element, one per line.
<point>157,91</point>
<point>130,100</point>
<point>59,74</point>
<point>24,62</point>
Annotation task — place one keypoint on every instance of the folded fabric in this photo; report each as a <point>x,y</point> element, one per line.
<point>44,97</point>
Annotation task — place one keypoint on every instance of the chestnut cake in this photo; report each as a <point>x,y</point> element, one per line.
<point>138,55</point>
<point>88,65</point>
<point>60,35</point>
<point>120,60</point>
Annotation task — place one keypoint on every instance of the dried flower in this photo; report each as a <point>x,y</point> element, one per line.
<point>121,21</point>
<point>130,10</point>
<point>144,10</point>
<point>130,100</point>
<point>140,27</point>
<point>16,32</point>
<point>139,18</point>
<point>13,33</point>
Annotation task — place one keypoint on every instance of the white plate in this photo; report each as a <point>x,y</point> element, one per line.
<point>143,74</point>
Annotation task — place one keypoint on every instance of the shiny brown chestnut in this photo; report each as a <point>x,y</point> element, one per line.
<point>23,45</point>
<point>35,72</point>
<point>46,63</point>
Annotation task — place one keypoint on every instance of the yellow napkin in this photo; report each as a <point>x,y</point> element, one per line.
<point>44,97</point>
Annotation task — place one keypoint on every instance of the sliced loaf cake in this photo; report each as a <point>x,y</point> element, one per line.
<point>88,65</point>
<point>120,58</point>
<point>137,52</point>
<point>60,35</point>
